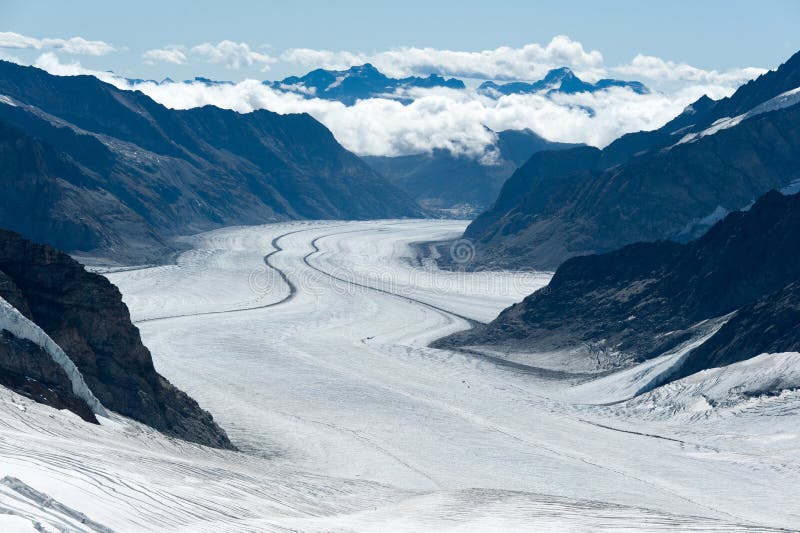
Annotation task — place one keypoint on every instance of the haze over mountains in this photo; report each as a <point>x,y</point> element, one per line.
<point>462,185</point>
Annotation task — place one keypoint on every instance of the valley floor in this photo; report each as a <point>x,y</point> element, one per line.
<point>308,343</point>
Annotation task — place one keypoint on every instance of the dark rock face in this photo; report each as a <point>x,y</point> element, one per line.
<point>645,186</point>
<point>770,325</point>
<point>442,180</point>
<point>26,369</point>
<point>90,168</point>
<point>644,299</point>
<point>359,82</point>
<point>85,315</point>
<point>560,80</point>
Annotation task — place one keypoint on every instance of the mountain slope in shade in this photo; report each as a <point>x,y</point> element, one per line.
<point>443,180</point>
<point>114,172</point>
<point>648,185</point>
<point>646,299</point>
<point>560,80</point>
<point>84,314</point>
<point>358,83</point>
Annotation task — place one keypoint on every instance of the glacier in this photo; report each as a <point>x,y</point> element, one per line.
<point>308,342</point>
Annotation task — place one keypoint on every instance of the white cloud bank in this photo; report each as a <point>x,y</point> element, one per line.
<point>655,68</point>
<point>74,45</point>
<point>444,118</point>
<point>529,62</point>
<point>526,63</point>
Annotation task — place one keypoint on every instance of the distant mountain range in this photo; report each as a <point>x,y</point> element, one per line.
<point>358,83</point>
<point>671,183</point>
<point>647,299</point>
<point>561,81</point>
<point>365,81</point>
<point>460,185</point>
<point>96,170</point>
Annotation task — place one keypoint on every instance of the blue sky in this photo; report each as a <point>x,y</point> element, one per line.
<point>679,49</point>
<point>707,34</point>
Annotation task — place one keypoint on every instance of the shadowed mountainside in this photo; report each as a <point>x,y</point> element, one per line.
<point>94,169</point>
<point>645,299</point>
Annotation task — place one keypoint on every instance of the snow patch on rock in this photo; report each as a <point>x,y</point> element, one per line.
<point>18,325</point>
<point>783,100</point>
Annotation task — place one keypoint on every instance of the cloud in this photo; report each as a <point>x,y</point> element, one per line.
<point>50,62</point>
<point>74,45</point>
<point>175,55</point>
<point>528,62</point>
<point>231,54</point>
<point>448,118</point>
<point>655,68</point>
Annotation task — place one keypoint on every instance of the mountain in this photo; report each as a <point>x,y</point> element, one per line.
<point>359,82</point>
<point>446,181</point>
<point>645,299</point>
<point>84,315</point>
<point>560,80</point>
<point>93,169</point>
<point>674,182</point>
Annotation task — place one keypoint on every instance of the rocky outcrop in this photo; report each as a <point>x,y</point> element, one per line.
<point>642,300</point>
<point>27,369</point>
<point>84,314</point>
<point>770,325</point>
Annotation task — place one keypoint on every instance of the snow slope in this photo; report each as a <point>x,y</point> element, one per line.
<point>315,361</point>
<point>783,100</point>
<point>61,474</point>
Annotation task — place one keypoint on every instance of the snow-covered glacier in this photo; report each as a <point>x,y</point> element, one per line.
<point>308,343</point>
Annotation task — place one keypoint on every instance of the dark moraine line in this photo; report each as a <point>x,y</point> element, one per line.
<point>472,322</point>
<point>292,288</point>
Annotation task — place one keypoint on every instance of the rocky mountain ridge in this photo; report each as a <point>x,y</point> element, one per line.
<point>674,182</point>
<point>84,314</point>
<point>97,170</point>
<point>646,299</point>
